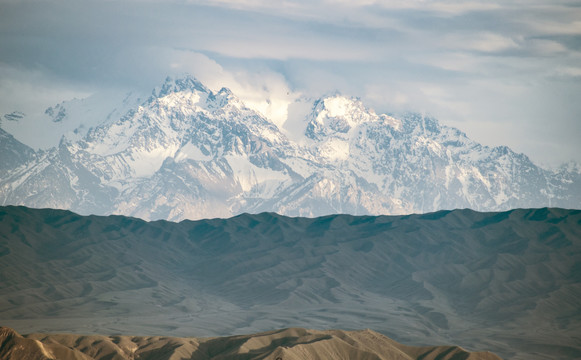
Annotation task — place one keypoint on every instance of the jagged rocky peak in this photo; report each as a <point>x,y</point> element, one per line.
<point>12,152</point>
<point>189,94</point>
<point>570,167</point>
<point>188,149</point>
<point>423,124</point>
<point>221,98</point>
<point>338,114</point>
<point>57,113</point>
<point>185,83</point>
<point>179,93</point>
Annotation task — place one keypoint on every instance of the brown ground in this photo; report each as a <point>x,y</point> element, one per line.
<point>287,344</point>
<point>506,282</point>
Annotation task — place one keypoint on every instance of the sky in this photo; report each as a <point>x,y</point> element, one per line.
<point>504,72</point>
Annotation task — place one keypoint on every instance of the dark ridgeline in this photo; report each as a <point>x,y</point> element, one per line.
<point>508,282</point>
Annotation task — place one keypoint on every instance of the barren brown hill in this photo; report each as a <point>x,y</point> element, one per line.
<point>287,344</point>
<point>507,282</point>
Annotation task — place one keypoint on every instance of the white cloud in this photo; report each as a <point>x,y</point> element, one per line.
<point>263,90</point>
<point>445,7</point>
<point>488,42</point>
<point>32,90</point>
<point>568,71</point>
<point>545,27</point>
<point>266,91</point>
<point>450,58</point>
<point>546,47</point>
<point>284,47</point>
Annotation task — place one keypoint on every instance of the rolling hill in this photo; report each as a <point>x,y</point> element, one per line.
<point>508,282</point>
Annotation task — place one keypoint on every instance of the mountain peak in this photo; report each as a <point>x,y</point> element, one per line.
<point>190,152</point>
<point>340,106</point>
<point>338,114</point>
<point>187,92</point>
<point>187,82</point>
<point>570,167</point>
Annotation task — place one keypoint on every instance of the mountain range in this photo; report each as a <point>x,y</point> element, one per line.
<point>290,344</point>
<point>507,282</point>
<point>187,152</point>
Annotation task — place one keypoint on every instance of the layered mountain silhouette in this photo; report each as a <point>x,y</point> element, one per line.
<point>507,282</point>
<point>187,152</point>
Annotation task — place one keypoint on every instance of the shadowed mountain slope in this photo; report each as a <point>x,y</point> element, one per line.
<point>507,282</point>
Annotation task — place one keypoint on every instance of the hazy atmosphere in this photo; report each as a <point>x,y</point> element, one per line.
<point>504,72</point>
<point>233,178</point>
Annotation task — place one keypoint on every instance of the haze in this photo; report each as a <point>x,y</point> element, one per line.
<point>505,72</point>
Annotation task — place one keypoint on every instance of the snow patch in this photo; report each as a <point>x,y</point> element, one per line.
<point>335,149</point>
<point>147,163</point>
<point>192,152</point>
<point>249,175</point>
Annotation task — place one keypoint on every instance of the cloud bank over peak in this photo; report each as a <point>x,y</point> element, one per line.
<point>506,72</point>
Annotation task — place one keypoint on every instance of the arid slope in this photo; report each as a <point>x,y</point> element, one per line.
<point>287,344</point>
<point>506,282</point>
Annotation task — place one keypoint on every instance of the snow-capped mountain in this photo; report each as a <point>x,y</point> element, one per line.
<point>188,152</point>
<point>71,118</point>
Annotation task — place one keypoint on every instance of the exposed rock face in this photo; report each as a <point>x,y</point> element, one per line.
<point>189,153</point>
<point>14,346</point>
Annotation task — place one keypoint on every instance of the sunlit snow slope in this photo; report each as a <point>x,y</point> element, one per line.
<point>188,153</point>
